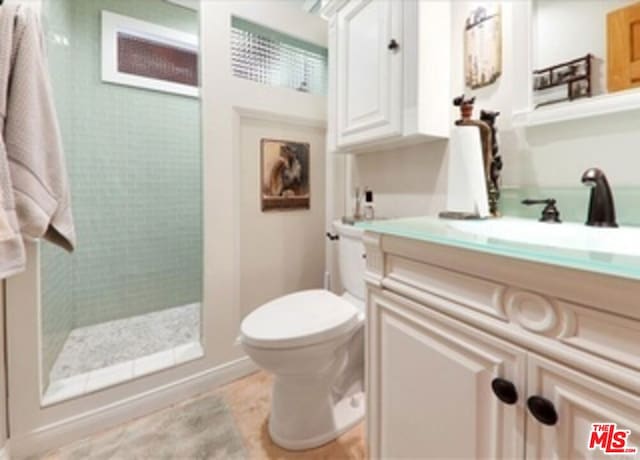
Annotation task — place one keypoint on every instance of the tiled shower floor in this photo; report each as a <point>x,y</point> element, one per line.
<point>122,349</point>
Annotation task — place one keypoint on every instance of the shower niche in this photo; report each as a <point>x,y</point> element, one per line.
<point>127,303</point>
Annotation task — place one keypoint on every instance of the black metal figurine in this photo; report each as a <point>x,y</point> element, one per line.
<point>493,185</point>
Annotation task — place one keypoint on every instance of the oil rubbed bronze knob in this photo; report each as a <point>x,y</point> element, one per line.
<point>393,45</point>
<point>543,410</point>
<point>504,390</point>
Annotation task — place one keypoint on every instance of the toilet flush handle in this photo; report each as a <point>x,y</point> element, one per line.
<point>333,237</point>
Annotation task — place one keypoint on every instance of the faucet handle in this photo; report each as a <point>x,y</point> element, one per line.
<point>550,212</point>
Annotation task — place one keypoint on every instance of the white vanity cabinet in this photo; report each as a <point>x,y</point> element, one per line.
<point>389,71</point>
<point>429,386</point>
<point>443,323</point>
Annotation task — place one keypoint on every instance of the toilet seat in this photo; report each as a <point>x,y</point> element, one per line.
<point>299,319</point>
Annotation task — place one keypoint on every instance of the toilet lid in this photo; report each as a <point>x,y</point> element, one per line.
<point>303,318</point>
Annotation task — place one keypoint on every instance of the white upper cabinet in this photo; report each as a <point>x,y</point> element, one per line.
<point>389,72</point>
<point>369,86</point>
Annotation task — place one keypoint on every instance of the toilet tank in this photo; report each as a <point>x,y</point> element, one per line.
<point>351,255</point>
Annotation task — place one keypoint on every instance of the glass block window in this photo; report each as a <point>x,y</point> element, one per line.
<point>273,58</point>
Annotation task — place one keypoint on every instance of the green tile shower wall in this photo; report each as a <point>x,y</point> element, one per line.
<point>134,159</point>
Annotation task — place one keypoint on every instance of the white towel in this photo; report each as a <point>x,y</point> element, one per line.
<point>31,149</point>
<point>12,254</point>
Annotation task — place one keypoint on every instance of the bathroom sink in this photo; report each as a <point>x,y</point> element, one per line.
<point>623,240</point>
<point>611,251</point>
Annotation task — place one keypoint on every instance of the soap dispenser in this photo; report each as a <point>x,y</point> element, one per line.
<point>369,211</point>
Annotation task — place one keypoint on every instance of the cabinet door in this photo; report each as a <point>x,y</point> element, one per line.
<point>429,385</point>
<point>369,83</point>
<point>623,48</point>
<point>579,401</point>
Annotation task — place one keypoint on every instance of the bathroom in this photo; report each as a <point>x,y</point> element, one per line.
<point>279,245</point>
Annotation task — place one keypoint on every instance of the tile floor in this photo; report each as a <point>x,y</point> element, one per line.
<point>226,423</point>
<point>114,342</point>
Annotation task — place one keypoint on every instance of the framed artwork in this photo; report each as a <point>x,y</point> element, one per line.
<point>483,45</point>
<point>145,55</point>
<point>284,175</point>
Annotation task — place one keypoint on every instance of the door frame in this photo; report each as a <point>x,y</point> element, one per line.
<point>34,428</point>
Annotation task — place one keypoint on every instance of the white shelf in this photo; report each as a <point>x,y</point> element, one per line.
<point>582,108</point>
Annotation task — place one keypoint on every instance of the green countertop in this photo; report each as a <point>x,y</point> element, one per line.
<point>614,252</point>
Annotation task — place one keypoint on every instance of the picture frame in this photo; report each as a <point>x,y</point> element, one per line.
<point>285,175</point>
<point>150,56</point>
<point>483,45</point>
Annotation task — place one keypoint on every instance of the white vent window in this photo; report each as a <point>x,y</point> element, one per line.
<point>273,58</point>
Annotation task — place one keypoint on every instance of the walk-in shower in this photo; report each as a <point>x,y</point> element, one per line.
<point>127,302</point>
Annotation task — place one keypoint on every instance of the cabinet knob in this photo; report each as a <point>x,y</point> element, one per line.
<point>543,410</point>
<point>393,45</point>
<point>504,390</point>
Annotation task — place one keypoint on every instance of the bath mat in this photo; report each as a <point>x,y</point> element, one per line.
<point>198,429</point>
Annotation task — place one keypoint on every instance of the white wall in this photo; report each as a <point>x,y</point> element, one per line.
<point>413,182</point>
<point>280,251</point>
<point>232,241</point>
<point>406,182</point>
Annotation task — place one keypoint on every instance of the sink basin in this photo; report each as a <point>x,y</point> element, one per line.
<point>623,240</point>
<point>611,251</point>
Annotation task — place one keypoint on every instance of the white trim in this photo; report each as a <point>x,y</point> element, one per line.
<point>89,382</point>
<point>524,113</point>
<point>604,104</point>
<point>244,112</point>
<point>85,424</point>
<point>113,23</point>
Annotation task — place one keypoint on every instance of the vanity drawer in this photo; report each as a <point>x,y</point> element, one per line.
<point>529,317</point>
<point>475,293</point>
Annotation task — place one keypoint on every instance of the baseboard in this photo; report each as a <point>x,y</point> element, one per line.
<point>5,453</point>
<point>83,425</point>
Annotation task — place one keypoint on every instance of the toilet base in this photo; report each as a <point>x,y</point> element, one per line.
<point>346,414</point>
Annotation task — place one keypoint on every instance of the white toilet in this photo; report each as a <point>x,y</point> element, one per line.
<point>313,343</point>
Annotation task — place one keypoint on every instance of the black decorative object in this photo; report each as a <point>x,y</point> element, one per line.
<point>493,185</point>
<point>574,74</point>
<point>466,107</point>
<point>488,135</point>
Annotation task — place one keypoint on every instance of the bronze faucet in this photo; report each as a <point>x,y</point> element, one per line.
<point>602,212</point>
